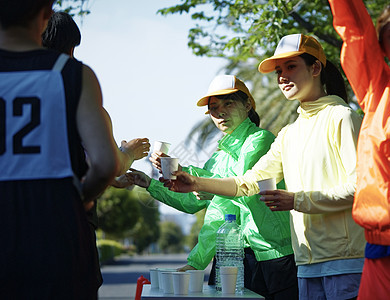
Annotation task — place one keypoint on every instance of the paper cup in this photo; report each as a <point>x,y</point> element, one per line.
<point>167,282</point>
<point>228,277</point>
<point>160,270</point>
<point>181,282</point>
<point>267,184</point>
<point>154,279</point>
<point>169,165</point>
<point>196,281</point>
<point>161,147</point>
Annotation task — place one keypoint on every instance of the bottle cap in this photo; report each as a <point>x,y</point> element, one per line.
<point>230,217</point>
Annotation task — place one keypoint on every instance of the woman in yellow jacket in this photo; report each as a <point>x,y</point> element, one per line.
<point>368,73</point>
<point>316,156</point>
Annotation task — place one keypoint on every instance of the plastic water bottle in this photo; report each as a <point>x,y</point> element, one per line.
<point>230,251</point>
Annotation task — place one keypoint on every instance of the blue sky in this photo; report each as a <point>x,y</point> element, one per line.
<point>150,79</point>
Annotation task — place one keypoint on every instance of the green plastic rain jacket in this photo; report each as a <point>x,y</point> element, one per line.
<point>267,233</point>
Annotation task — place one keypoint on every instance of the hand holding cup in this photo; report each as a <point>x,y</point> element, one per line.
<point>160,149</point>
<point>268,184</point>
<point>168,166</point>
<point>184,183</point>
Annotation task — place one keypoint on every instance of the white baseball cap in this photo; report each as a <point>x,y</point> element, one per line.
<point>293,45</point>
<point>224,85</point>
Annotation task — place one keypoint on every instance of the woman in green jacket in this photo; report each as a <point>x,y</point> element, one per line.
<point>269,265</point>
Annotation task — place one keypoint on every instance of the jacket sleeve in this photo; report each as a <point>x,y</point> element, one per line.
<point>187,202</point>
<point>253,150</point>
<point>254,147</point>
<point>361,55</point>
<point>269,165</point>
<point>344,135</point>
<point>199,172</point>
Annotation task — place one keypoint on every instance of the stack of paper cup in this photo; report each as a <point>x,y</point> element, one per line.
<point>154,279</point>
<point>228,277</point>
<point>160,270</point>
<point>167,282</point>
<point>181,281</point>
<point>196,281</point>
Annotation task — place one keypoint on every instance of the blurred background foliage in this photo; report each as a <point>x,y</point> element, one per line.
<point>247,31</point>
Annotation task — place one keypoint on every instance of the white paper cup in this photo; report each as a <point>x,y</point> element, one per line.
<point>196,281</point>
<point>228,277</point>
<point>161,147</point>
<point>160,270</point>
<point>267,184</point>
<point>167,282</point>
<point>169,165</point>
<point>154,278</point>
<point>181,282</point>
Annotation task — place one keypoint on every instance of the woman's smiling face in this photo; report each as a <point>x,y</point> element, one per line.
<point>227,114</point>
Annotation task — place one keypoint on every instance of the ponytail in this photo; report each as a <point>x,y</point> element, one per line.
<point>334,81</point>
<point>254,117</point>
<point>330,77</point>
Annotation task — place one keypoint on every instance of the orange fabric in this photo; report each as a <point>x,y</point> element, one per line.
<point>375,280</point>
<point>363,62</point>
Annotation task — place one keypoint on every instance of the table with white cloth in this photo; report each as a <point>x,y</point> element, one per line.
<point>209,292</point>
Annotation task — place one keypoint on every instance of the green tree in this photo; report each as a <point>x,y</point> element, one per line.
<point>243,29</point>
<point>147,229</point>
<point>171,238</point>
<point>118,211</point>
<point>73,7</point>
<point>246,31</point>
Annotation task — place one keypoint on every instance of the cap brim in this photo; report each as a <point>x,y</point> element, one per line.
<point>268,65</point>
<point>205,100</point>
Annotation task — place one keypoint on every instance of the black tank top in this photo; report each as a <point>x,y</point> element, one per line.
<point>41,61</point>
<point>48,250</point>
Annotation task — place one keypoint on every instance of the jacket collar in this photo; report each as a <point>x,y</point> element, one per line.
<point>311,108</point>
<point>232,143</point>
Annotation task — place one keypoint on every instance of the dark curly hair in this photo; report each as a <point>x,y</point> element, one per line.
<point>62,33</point>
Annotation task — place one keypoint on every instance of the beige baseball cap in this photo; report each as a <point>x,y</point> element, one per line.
<point>224,85</point>
<point>293,45</point>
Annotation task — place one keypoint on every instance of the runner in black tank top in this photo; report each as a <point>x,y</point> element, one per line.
<point>42,213</point>
<point>50,113</point>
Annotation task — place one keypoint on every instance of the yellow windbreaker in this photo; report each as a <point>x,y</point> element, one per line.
<point>316,155</point>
